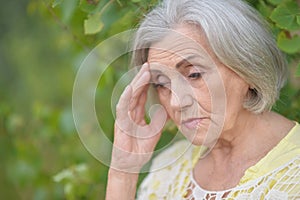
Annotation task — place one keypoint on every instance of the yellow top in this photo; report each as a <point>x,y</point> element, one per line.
<point>274,177</point>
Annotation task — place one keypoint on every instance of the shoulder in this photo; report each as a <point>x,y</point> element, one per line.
<point>284,152</point>
<point>281,163</point>
<point>278,173</point>
<point>293,136</point>
<point>289,147</point>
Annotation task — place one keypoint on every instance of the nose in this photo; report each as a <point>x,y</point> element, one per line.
<point>181,94</point>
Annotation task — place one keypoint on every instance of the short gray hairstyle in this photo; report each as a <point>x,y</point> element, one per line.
<point>238,36</point>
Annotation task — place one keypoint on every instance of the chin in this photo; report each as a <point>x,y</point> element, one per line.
<point>200,137</point>
<point>198,141</point>
<point>196,137</point>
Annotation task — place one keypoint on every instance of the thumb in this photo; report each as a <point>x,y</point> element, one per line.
<point>158,116</point>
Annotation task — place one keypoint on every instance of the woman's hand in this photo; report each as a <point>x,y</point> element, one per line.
<point>134,139</point>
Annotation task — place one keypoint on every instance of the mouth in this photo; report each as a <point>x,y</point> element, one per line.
<point>192,123</point>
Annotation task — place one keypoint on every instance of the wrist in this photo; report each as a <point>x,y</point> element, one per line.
<point>121,185</point>
<point>122,176</point>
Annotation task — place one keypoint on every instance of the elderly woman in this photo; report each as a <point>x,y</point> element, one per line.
<point>217,72</point>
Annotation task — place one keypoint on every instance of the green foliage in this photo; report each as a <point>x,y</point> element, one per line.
<point>298,70</point>
<point>285,15</point>
<point>42,45</point>
<point>287,43</point>
<point>76,180</point>
<point>275,2</point>
<point>93,24</point>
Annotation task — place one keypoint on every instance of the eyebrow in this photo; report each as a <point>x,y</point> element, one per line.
<point>186,60</point>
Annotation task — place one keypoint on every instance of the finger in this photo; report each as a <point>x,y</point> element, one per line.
<point>140,108</point>
<point>123,121</point>
<point>138,112</point>
<point>139,87</point>
<point>145,67</point>
<point>138,82</point>
<point>122,107</point>
<point>158,120</point>
<point>137,104</point>
<point>156,125</point>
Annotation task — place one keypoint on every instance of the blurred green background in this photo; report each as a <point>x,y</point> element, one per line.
<point>42,46</point>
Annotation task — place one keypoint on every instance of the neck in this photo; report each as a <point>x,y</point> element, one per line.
<point>239,147</point>
<point>239,140</point>
<point>251,136</point>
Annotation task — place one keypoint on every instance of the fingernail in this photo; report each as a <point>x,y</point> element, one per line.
<point>145,65</point>
<point>127,88</point>
<point>145,73</point>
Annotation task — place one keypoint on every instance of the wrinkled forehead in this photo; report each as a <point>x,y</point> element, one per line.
<point>177,47</point>
<point>180,41</point>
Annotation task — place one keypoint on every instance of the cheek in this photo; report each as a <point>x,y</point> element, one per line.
<point>165,102</point>
<point>236,92</point>
<point>231,115</point>
<point>236,95</point>
<point>203,97</point>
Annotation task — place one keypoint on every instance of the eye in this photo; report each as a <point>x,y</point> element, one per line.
<point>161,81</point>
<point>158,85</point>
<point>195,75</point>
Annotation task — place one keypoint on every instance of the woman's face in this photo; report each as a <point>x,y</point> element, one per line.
<point>202,96</point>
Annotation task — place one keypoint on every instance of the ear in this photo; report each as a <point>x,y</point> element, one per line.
<point>248,89</point>
<point>251,94</point>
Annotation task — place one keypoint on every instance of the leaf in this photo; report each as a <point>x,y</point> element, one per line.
<point>298,71</point>
<point>288,45</point>
<point>71,173</point>
<point>136,1</point>
<point>298,20</point>
<point>264,9</point>
<point>88,6</point>
<point>56,3</point>
<point>66,121</point>
<point>93,24</point>
<point>65,174</point>
<point>68,8</point>
<point>285,15</point>
<point>275,2</point>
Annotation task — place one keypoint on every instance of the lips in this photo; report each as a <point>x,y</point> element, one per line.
<point>193,123</point>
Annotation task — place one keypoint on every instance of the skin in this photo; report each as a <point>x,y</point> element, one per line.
<point>205,99</point>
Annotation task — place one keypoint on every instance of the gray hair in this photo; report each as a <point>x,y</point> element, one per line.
<point>237,34</point>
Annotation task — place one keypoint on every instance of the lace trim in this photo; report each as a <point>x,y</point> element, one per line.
<point>280,184</point>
